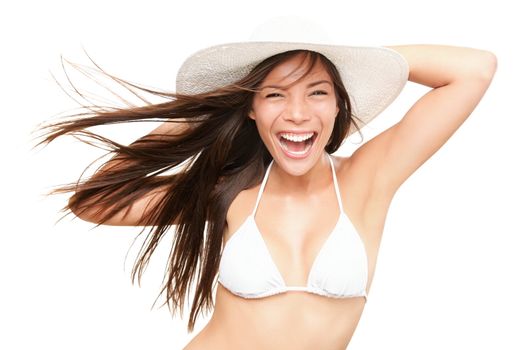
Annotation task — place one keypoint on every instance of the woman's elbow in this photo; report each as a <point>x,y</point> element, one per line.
<point>489,65</point>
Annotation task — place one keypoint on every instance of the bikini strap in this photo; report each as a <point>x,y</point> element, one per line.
<point>263,184</point>
<point>336,184</point>
<point>265,179</point>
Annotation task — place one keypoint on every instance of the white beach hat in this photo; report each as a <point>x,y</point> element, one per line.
<point>372,76</point>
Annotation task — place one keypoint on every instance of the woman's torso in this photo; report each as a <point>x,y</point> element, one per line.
<point>298,320</point>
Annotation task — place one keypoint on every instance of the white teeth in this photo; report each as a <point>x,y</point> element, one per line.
<point>297,137</point>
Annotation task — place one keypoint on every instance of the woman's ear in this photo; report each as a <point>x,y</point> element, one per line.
<point>251,114</point>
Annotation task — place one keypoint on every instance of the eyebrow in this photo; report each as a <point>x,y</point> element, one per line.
<point>308,86</point>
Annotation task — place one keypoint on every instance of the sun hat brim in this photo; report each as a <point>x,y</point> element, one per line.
<point>372,76</point>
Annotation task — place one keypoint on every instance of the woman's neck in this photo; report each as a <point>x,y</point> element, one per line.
<point>314,180</point>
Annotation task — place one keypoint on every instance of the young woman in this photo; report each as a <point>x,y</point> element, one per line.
<point>259,205</point>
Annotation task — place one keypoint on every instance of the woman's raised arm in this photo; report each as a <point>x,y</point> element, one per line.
<point>459,77</point>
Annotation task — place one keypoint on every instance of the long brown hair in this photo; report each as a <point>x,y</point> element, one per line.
<point>220,155</point>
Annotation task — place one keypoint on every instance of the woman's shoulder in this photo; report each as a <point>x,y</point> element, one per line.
<point>347,166</point>
<point>357,173</point>
<point>364,201</point>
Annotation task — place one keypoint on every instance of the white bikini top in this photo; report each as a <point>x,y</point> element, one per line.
<point>340,269</point>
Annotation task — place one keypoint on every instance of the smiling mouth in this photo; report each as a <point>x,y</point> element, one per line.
<point>297,144</point>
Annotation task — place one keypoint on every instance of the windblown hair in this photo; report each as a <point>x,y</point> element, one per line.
<point>220,155</point>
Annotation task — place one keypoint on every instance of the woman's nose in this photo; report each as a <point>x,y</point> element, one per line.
<point>297,111</point>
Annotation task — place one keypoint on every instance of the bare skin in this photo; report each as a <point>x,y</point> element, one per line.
<point>297,320</point>
<point>368,181</point>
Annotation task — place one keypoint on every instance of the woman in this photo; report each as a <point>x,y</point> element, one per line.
<point>290,232</point>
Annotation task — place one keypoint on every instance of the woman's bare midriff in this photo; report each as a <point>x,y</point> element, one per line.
<point>295,319</point>
<point>292,320</point>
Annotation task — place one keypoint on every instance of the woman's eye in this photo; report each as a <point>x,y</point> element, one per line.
<point>276,94</point>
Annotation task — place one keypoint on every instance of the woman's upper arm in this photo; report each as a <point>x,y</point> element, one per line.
<point>131,215</point>
<point>400,150</point>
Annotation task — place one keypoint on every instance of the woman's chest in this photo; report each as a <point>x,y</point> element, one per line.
<point>294,230</point>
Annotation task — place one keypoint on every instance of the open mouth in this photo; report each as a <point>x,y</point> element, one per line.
<point>297,145</point>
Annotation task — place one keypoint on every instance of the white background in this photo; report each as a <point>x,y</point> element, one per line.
<point>450,268</point>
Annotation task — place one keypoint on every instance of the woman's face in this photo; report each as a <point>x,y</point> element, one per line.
<point>295,123</point>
